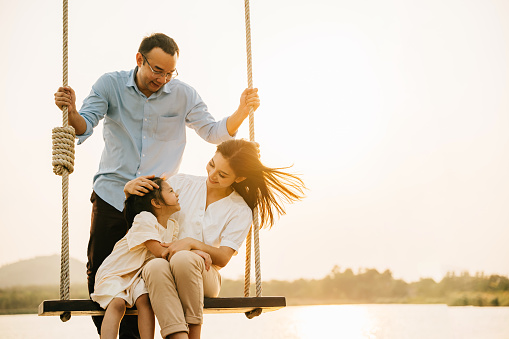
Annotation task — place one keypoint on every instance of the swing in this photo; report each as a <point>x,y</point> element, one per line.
<point>63,165</point>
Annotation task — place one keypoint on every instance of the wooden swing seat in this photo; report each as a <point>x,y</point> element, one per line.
<point>211,306</point>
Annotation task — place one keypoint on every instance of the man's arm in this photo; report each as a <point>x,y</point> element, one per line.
<point>140,186</point>
<point>65,96</point>
<point>249,99</point>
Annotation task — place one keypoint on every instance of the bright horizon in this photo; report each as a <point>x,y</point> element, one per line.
<point>395,114</point>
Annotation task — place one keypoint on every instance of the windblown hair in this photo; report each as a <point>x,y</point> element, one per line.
<point>136,204</point>
<point>164,42</point>
<point>264,187</point>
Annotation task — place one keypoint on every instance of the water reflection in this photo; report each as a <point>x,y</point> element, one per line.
<point>338,321</point>
<point>346,321</point>
<point>307,322</point>
<point>353,322</point>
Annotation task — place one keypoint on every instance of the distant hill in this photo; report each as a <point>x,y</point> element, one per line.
<point>40,271</point>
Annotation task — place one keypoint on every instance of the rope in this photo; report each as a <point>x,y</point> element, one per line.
<point>63,165</point>
<point>255,228</point>
<point>247,271</point>
<point>256,224</point>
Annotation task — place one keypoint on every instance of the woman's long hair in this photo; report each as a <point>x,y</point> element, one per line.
<point>136,204</point>
<point>264,187</point>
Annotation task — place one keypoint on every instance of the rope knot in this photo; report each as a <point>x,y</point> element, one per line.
<point>63,150</point>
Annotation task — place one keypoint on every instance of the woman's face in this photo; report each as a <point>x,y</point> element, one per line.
<point>220,174</point>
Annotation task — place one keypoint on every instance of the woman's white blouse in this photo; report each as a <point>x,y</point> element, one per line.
<point>225,222</point>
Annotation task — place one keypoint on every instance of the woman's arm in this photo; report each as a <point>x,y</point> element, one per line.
<point>156,248</point>
<point>220,256</point>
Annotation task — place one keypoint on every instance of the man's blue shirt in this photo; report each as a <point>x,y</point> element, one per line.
<point>143,136</point>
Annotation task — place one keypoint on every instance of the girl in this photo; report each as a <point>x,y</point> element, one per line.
<point>216,213</point>
<point>118,282</point>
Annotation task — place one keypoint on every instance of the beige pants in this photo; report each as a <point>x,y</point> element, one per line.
<point>177,288</point>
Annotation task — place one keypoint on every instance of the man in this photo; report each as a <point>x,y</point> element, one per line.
<point>145,112</point>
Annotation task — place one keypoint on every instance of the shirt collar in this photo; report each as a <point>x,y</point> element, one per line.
<point>166,88</point>
<point>132,74</point>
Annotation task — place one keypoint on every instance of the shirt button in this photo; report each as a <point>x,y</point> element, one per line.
<point>145,119</point>
<point>144,137</point>
<point>139,172</point>
<point>143,155</point>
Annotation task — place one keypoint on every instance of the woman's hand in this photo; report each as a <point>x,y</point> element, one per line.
<point>140,186</point>
<point>186,244</point>
<point>206,257</point>
<point>219,256</point>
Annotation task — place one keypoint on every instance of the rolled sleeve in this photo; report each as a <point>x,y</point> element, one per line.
<point>223,131</point>
<point>81,138</point>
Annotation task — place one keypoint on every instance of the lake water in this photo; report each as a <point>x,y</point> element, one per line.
<point>306,322</point>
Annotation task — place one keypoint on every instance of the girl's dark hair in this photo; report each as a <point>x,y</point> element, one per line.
<point>264,187</point>
<point>136,204</point>
<point>164,42</point>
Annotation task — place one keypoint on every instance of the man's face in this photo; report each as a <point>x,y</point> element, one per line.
<point>154,70</point>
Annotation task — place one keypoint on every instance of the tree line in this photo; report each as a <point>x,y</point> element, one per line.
<point>338,287</point>
<point>371,286</point>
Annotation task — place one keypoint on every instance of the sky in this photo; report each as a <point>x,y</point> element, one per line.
<point>395,114</point>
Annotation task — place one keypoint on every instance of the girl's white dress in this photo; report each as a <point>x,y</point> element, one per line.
<point>119,276</point>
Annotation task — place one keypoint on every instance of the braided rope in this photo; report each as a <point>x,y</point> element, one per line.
<point>247,270</point>
<point>63,150</point>
<point>249,66</point>
<point>256,225</point>
<point>256,237</point>
<point>63,165</point>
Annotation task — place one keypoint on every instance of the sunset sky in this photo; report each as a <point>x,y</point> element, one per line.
<point>395,113</point>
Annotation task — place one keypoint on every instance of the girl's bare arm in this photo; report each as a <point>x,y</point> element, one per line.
<point>156,248</point>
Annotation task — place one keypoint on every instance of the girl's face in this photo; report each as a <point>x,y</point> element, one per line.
<point>170,197</point>
<point>220,174</point>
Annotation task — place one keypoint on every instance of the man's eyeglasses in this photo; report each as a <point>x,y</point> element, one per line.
<point>158,74</point>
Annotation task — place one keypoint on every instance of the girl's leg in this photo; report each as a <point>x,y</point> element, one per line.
<point>112,317</point>
<point>146,321</point>
<point>194,331</point>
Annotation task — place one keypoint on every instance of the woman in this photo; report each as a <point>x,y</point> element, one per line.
<point>215,216</point>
